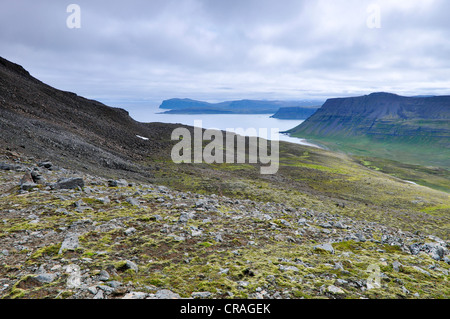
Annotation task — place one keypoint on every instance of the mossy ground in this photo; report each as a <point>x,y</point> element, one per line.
<point>245,242</point>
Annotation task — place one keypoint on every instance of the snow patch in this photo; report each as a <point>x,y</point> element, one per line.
<point>142,138</point>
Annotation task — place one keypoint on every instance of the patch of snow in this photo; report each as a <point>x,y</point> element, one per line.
<point>142,138</point>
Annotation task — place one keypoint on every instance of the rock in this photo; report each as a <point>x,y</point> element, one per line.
<point>117,183</point>
<point>325,247</point>
<point>391,240</point>
<point>285,223</point>
<point>201,295</point>
<point>11,167</point>
<point>130,231</point>
<point>69,183</point>
<point>422,270</point>
<point>28,186</point>
<point>135,295</point>
<point>218,238</point>
<point>128,265</point>
<point>103,276</point>
<point>414,248</point>
<point>74,278</point>
<point>340,225</point>
<point>92,290</point>
<point>99,294</point>
<point>112,183</point>
<point>326,225</point>
<point>435,250</point>
<point>184,217</point>
<point>106,289</point>
<point>46,164</point>
<point>195,232</point>
<point>335,290</point>
<point>133,201</point>
<point>70,243</point>
<point>37,177</point>
<point>360,237</point>
<point>338,266</point>
<point>26,178</point>
<point>163,189</point>
<point>288,268</point>
<point>224,270</point>
<point>115,285</point>
<point>200,203</point>
<point>104,200</point>
<point>46,277</point>
<point>166,294</point>
<point>397,266</point>
<point>341,282</point>
<point>177,238</point>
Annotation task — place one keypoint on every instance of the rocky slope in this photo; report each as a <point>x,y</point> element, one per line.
<point>416,125</point>
<point>42,121</point>
<point>91,209</point>
<point>65,234</point>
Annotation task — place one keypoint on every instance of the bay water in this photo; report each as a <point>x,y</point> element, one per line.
<point>147,113</point>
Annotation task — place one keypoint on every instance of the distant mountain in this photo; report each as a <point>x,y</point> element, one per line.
<point>188,106</point>
<point>294,113</point>
<point>360,124</point>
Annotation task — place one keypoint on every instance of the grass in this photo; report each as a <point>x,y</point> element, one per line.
<point>356,186</point>
<point>407,151</point>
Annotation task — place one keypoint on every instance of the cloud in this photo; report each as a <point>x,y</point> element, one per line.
<point>255,49</point>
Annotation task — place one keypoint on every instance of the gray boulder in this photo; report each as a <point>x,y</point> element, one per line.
<point>435,250</point>
<point>69,183</point>
<point>166,294</point>
<point>325,247</point>
<point>70,243</point>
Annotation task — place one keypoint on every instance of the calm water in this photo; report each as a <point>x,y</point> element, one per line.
<point>144,113</point>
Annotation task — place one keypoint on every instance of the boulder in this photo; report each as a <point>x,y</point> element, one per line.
<point>70,243</point>
<point>325,247</point>
<point>69,183</point>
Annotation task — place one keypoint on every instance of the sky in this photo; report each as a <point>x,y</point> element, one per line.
<point>220,50</point>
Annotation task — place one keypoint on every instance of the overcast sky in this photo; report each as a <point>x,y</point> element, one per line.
<point>218,50</point>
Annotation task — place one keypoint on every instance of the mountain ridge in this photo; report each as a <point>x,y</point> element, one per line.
<point>36,118</point>
<point>245,106</point>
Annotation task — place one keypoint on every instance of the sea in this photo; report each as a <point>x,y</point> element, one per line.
<point>148,113</point>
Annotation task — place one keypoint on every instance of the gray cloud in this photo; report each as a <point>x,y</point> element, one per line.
<point>217,50</point>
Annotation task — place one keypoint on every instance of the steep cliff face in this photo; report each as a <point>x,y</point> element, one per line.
<point>381,115</point>
<point>413,130</point>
